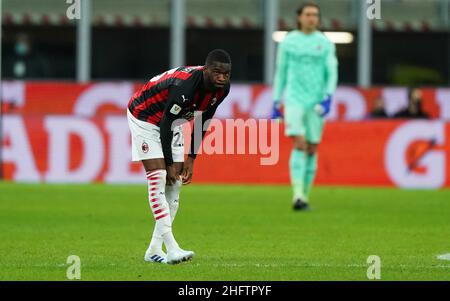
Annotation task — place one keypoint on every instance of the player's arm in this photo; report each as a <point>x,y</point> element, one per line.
<point>331,67</point>
<point>175,104</point>
<point>204,118</point>
<point>331,76</point>
<point>280,78</point>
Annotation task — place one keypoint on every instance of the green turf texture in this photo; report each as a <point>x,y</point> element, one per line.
<point>237,232</point>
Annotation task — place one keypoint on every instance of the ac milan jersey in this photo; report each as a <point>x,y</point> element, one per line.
<point>184,85</point>
<point>176,94</point>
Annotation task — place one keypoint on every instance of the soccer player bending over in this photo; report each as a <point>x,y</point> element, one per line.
<point>307,68</point>
<point>154,115</point>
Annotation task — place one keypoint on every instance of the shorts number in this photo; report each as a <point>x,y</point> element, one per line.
<point>176,140</point>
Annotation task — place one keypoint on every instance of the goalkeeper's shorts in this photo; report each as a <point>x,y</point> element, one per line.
<point>146,141</point>
<point>303,121</point>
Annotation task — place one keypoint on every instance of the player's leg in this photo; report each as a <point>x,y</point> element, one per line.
<point>172,194</point>
<point>297,167</point>
<point>152,168</point>
<point>311,168</point>
<point>173,191</point>
<point>156,177</point>
<point>294,119</point>
<point>146,147</point>
<point>314,130</point>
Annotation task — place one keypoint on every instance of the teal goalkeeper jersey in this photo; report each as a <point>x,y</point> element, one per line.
<point>306,67</point>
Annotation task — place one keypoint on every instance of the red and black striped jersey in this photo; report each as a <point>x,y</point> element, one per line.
<point>181,86</point>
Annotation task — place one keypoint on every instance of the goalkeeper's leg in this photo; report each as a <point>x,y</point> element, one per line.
<point>295,128</point>
<point>314,131</point>
<point>297,168</point>
<point>311,169</point>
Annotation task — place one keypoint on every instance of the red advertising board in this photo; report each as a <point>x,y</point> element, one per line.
<point>244,101</point>
<point>53,132</point>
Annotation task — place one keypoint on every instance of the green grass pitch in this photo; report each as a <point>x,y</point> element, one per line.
<point>237,232</point>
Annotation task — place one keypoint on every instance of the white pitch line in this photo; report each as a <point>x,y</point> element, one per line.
<point>320,265</point>
<point>444,256</point>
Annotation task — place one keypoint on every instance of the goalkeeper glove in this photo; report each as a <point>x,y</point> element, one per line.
<point>323,107</point>
<point>276,113</point>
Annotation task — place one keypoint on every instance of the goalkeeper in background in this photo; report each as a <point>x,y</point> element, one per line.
<point>307,68</point>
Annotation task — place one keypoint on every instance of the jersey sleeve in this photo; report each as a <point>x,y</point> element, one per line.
<point>331,69</point>
<point>177,101</point>
<point>205,118</point>
<point>281,71</point>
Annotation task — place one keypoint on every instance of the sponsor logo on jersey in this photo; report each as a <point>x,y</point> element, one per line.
<point>188,115</point>
<point>175,110</point>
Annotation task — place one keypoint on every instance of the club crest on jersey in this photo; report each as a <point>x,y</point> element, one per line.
<point>214,100</point>
<point>145,147</point>
<point>175,110</point>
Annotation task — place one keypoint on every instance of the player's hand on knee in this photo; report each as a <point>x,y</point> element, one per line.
<point>324,107</point>
<point>188,171</point>
<point>172,176</point>
<point>276,113</point>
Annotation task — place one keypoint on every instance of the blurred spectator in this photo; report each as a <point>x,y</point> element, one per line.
<point>414,109</point>
<point>24,63</point>
<point>378,110</point>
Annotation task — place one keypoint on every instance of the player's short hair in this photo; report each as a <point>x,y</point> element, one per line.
<point>217,55</point>
<point>302,8</point>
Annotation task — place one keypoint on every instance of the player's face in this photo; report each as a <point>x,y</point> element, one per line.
<point>309,18</point>
<point>416,94</point>
<point>217,76</point>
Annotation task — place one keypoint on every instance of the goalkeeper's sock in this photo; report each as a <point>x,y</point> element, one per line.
<point>311,168</point>
<point>161,212</point>
<point>297,167</point>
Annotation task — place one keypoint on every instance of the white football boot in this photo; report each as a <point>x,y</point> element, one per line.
<point>179,255</point>
<point>158,257</point>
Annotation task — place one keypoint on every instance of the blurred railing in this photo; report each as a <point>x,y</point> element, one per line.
<point>399,15</point>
